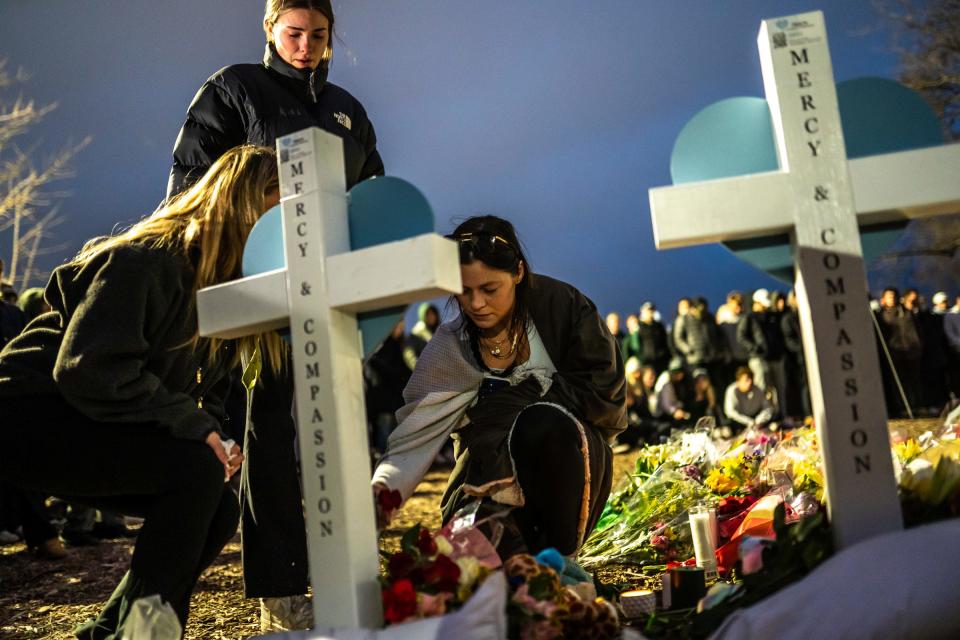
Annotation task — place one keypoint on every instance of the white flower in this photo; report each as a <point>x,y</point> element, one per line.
<point>443,545</point>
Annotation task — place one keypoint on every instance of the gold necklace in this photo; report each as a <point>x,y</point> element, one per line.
<point>497,352</point>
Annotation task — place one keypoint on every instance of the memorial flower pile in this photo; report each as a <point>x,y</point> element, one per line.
<point>550,596</point>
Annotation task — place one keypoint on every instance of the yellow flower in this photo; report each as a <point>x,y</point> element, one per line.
<point>719,482</point>
<point>907,451</point>
<point>469,572</point>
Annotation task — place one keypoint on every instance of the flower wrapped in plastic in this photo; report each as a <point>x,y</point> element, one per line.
<point>423,579</point>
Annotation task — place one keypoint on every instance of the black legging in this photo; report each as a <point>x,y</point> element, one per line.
<point>175,485</point>
<point>546,448</point>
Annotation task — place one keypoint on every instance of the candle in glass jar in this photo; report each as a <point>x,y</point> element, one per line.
<point>702,531</point>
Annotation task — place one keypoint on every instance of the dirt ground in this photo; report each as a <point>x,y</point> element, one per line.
<point>48,599</point>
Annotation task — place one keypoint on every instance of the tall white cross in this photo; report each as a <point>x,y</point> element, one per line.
<point>819,198</point>
<point>318,296</point>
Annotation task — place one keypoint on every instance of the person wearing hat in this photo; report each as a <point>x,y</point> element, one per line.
<point>673,392</point>
<point>760,335</point>
<point>287,91</point>
<point>939,300</point>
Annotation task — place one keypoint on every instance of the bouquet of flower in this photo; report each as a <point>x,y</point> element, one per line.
<point>424,580</point>
<point>646,522</point>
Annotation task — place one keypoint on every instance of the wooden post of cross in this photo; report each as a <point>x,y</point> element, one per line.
<point>819,198</point>
<point>318,295</point>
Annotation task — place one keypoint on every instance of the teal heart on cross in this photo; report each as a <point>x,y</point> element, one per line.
<point>379,210</point>
<point>734,137</point>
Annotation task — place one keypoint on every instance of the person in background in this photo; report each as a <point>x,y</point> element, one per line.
<point>428,319</point>
<point>32,304</point>
<point>951,330</point>
<point>654,345</point>
<point>642,423</point>
<point>933,372</point>
<point>760,335</point>
<point>900,332</point>
<point>117,397</point>
<point>939,301</point>
<point>673,392</point>
<point>630,345</point>
<point>22,508</point>
<point>746,405</point>
<point>703,403</point>
<point>683,308</point>
<point>385,374</point>
<point>796,401</point>
<point>728,318</point>
<point>531,384</point>
<point>613,326</point>
<point>698,339</point>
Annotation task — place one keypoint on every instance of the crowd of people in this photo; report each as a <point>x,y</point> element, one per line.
<point>744,364</point>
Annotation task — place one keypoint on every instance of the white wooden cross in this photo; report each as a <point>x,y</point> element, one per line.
<point>318,296</point>
<point>819,198</point>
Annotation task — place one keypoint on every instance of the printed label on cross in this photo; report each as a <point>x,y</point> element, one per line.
<point>318,296</point>
<point>819,197</point>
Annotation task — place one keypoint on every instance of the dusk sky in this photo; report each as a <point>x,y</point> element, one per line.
<point>556,115</point>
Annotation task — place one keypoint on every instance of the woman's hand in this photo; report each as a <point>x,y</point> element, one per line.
<point>387,502</point>
<point>227,452</point>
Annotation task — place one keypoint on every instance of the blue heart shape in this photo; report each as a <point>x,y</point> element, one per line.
<point>734,137</point>
<point>379,210</point>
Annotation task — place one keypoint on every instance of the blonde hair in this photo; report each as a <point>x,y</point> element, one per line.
<point>214,218</point>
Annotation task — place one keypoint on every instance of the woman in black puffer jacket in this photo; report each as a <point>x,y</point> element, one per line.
<point>287,92</point>
<point>259,103</point>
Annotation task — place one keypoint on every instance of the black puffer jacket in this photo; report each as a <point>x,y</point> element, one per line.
<point>258,103</point>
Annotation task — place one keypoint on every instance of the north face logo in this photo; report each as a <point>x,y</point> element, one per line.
<point>343,119</point>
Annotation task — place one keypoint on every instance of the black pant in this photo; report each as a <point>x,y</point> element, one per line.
<point>547,450</point>
<point>139,469</point>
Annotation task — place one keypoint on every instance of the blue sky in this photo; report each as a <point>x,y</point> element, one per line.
<point>556,115</point>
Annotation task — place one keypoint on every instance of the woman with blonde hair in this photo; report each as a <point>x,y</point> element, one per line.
<point>114,400</point>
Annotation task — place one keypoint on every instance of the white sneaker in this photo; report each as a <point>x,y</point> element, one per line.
<point>289,613</point>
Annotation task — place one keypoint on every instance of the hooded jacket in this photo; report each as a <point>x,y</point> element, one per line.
<point>116,346</point>
<point>258,103</point>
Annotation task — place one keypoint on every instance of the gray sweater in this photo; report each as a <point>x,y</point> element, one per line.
<point>748,408</point>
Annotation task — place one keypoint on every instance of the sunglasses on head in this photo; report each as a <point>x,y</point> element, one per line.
<point>492,249</point>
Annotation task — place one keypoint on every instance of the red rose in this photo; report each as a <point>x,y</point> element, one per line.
<point>426,544</point>
<point>399,601</point>
<point>400,564</point>
<point>389,500</point>
<point>442,574</point>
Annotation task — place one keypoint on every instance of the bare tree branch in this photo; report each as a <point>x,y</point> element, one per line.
<point>29,208</point>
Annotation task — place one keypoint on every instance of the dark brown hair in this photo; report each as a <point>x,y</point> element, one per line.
<point>494,226</point>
